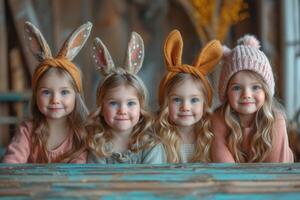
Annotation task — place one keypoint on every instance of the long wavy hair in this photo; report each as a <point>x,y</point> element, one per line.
<point>261,136</point>
<point>75,119</point>
<point>100,135</point>
<point>170,135</point>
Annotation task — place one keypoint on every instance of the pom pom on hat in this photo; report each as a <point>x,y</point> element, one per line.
<point>249,40</point>
<point>226,51</point>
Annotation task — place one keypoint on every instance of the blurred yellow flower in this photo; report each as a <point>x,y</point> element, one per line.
<point>215,17</point>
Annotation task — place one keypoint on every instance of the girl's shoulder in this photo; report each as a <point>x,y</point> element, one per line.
<point>26,123</point>
<point>218,116</point>
<point>280,121</point>
<point>279,115</point>
<point>25,127</point>
<point>154,155</point>
<point>156,148</point>
<point>150,136</point>
<point>218,126</point>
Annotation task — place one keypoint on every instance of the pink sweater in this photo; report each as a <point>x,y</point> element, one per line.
<point>280,152</point>
<point>18,150</point>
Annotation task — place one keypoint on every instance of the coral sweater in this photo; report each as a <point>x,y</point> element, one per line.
<point>18,150</point>
<point>280,152</point>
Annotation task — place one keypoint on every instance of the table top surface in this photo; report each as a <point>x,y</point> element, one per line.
<point>170,181</point>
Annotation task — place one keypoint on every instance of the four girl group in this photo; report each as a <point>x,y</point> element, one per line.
<point>248,126</point>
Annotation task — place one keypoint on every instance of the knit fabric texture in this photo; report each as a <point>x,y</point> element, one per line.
<point>245,56</point>
<point>62,63</point>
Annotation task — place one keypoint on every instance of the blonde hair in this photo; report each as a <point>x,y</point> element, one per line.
<point>261,137</point>
<point>76,118</point>
<point>169,134</point>
<point>100,134</point>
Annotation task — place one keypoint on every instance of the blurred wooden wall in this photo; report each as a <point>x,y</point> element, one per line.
<point>3,69</point>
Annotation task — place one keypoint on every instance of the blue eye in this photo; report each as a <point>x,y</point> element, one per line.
<point>256,87</point>
<point>45,92</point>
<point>236,88</point>
<point>195,100</point>
<point>176,100</point>
<point>113,103</point>
<point>65,92</point>
<point>131,103</point>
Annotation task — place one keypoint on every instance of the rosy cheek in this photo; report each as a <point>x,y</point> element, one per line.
<point>137,113</point>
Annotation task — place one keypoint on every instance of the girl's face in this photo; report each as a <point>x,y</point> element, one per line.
<point>185,103</point>
<point>245,93</point>
<point>55,96</point>
<point>121,108</point>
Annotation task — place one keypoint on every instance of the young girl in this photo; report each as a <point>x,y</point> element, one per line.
<point>56,131</point>
<point>120,129</point>
<point>185,97</point>
<point>249,126</point>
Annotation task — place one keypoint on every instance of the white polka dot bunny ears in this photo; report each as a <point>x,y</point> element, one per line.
<point>133,60</point>
<point>70,48</point>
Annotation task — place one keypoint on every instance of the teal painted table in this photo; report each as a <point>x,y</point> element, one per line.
<point>184,181</point>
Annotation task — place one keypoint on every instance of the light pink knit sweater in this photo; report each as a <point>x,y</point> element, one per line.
<point>281,151</point>
<point>18,150</point>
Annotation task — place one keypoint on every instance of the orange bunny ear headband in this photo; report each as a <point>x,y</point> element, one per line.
<point>133,60</point>
<point>203,65</point>
<point>69,50</point>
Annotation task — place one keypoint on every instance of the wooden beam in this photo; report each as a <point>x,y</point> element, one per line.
<point>17,79</point>
<point>23,11</point>
<point>4,133</point>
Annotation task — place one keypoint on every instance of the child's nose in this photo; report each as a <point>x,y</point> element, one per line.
<point>246,94</point>
<point>55,99</point>
<point>122,110</point>
<point>185,106</point>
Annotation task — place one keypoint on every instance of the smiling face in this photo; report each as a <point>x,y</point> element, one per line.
<point>121,108</point>
<point>185,103</point>
<point>245,93</point>
<point>55,96</point>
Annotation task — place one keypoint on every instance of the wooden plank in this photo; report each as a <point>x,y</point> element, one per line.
<point>269,17</point>
<point>12,97</point>
<point>15,96</point>
<point>21,12</point>
<point>4,130</point>
<point>17,79</point>
<point>168,181</point>
<point>44,13</point>
<point>3,50</point>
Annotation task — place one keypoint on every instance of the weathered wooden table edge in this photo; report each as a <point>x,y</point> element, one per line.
<point>169,181</point>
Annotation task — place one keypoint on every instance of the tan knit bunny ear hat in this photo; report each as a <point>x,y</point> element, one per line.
<point>245,56</point>
<point>40,49</point>
<point>203,65</point>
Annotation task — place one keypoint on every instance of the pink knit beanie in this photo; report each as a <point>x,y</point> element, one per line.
<point>245,56</point>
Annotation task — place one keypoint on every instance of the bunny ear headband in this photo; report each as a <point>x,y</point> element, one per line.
<point>134,57</point>
<point>203,65</point>
<point>41,51</point>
